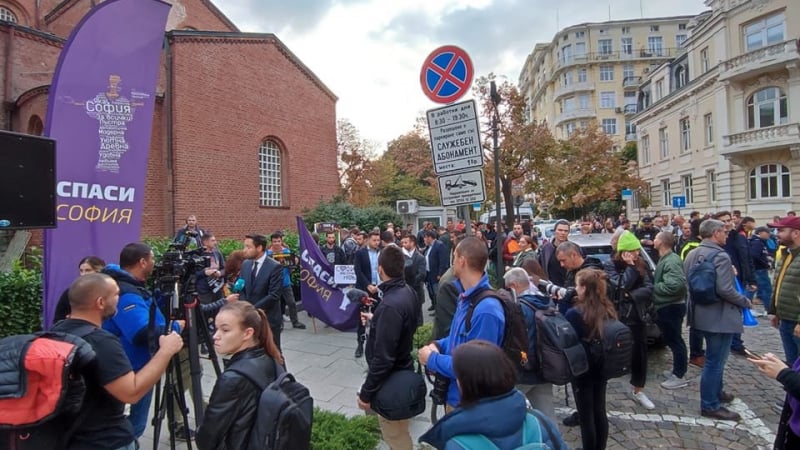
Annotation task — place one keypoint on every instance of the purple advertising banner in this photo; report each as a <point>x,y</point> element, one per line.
<point>100,112</point>
<point>321,298</point>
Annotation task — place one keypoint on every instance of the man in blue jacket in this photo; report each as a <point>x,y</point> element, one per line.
<point>132,321</point>
<point>488,319</point>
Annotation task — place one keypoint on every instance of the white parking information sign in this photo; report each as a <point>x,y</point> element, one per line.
<point>462,188</point>
<point>455,137</point>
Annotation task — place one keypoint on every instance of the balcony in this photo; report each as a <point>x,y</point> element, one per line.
<point>580,113</point>
<point>630,110</point>
<point>762,60</point>
<point>574,87</point>
<point>630,137</point>
<point>631,83</point>
<point>585,58</point>
<point>760,139</point>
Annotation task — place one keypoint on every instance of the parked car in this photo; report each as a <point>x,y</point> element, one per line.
<point>598,245</point>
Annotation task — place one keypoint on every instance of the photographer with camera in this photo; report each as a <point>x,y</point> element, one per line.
<point>132,323</point>
<point>190,234</point>
<point>388,350</point>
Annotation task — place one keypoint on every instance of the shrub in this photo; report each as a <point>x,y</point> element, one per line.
<point>422,337</point>
<point>335,431</point>
<point>347,215</point>
<point>20,301</point>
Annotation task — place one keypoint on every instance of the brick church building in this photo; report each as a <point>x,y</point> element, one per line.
<point>244,134</point>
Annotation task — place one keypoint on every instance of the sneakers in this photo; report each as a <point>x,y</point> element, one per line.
<point>674,382</point>
<point>722,413</point>
<point>642,399</point>
<point>286,318</point>
<point>698,361</point>
<point>183,433</point>
<point>739,352</point>
<point>778,407</point>
<point>572,420</point>
<point>299,325</point>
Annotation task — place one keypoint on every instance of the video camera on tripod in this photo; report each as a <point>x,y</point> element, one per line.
<point>178,264</point>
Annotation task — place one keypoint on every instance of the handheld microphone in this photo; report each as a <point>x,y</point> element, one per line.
<point>238,286</point>
<point>356,295</point>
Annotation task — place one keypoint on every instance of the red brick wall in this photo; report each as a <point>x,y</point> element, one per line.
<point>230,94</point>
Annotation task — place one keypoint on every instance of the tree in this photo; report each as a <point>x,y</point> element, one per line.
<point>409,162</point>
<point>354,163</point>
<point>524,144</point>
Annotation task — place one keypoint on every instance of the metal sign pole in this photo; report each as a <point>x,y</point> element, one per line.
<point>495,150</point>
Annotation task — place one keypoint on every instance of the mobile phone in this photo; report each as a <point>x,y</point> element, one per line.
<point>752,354</point>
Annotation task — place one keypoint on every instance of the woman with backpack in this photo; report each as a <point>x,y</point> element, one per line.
<point>244,333</point>
<point>587,316</point>
<point>486,378</point>
<point>631,291</point>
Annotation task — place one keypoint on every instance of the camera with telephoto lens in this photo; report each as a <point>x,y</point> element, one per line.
<point>179,264</point>
<point>554,290</point>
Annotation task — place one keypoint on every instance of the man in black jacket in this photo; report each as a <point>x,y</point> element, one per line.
<point>391,331</point>
<point>414,272</point>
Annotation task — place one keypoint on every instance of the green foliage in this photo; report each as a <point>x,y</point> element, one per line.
<point>347,215</point>
<point>20,301</point>
<point>629,152</point>
<point>422,337</point>
<point>334,431</point>
<point>608,208</point>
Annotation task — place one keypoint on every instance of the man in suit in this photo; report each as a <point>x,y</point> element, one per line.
<point>437,261</point>
<point>262,282</point>
<point>414,271</point>
<point>366,267</point>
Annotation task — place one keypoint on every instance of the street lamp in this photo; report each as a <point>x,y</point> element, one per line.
<point>495,96</point>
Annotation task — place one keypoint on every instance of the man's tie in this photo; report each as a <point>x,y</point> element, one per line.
<point>253,273</point>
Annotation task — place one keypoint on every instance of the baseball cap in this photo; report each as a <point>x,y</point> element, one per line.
<point>647,219</point>
<point>761,230</point>
<point>787,222</point>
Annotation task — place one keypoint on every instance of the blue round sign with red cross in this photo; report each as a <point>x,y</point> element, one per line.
<point>446,74</point>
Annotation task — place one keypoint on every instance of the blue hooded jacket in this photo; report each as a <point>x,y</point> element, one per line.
<point>499,418</point>
<point>488,323</point>
<point>131,322</point>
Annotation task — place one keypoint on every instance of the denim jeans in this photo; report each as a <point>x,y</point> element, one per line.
<point>764,290</point>
<point>718,346</point>
<point>669,319</point>
<point>695,343</point>
<point>139,412</point>
<point>791,343</point>
<point>737,343</point>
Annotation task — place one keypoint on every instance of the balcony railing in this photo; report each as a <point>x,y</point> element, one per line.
<point>631,109</point>
<point>630,137</point>
<point>761,139</point>
<point>576,114</point>
<point>574,87</point>
<point>760,60</point>
<point>631,82</point>
<point>656,53</point>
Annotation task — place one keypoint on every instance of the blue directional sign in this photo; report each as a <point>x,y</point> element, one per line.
<point>679,201</point>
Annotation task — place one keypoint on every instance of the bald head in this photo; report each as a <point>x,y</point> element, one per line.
<point>85,290</point>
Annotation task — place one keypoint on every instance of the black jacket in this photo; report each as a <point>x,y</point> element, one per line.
<point>233,404</point>
<point>738,249</point>
<point>628,289</point>
<point>791,383</point>
<point>565,303</point>
<point>390,336</point>
<point>759,253</point>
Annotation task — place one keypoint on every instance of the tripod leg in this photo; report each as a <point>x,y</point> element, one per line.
<point>179,400</point>
<point>205,338</point>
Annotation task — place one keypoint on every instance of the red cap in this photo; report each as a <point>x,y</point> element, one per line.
<point>787,222</point>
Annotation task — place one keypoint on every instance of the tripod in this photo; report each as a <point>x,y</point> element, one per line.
<point>172,394</point>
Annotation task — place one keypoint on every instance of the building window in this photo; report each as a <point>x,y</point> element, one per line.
<point>708,123</point>
<point>688,188</point>
<point>655,45</point>
<point>627,46</point>
<point>663,143</point>
<point>569,104</point>
<point>770,181</point>
<point>608,99</point>
<point>704,63</point>
<point>269,161</point>
<point>630,129</point>
<point>566,53</point>
<point>680,77</point>
<point>583,101</point>
<point>686,135</point>
<point>7,15</point>
<point>566,78</point>
<point>711,179</point>
<point>659,89</point>
<point>654,28</point>
<point>605,47</point>
<point>681,26</point>
<point>581,75</point>
<point>626,30</point>
<point>610,126</point>
<point>606,72</point>
<point>679,39</point>
<point>645,150</point>
<point>569,128</point>
<point>580,34</point>
<point>666,195</point>
<point>764,32</point>
<point>627,72</point>
<point>766,108</point>
<point>35,126</point>
<point>580,50</point>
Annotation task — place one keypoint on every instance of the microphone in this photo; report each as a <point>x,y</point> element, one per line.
<point>238,286</point>
<point>356,295</point>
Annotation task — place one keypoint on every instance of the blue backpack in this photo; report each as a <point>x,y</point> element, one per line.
<point>532,437</point>
<point>702,280</point>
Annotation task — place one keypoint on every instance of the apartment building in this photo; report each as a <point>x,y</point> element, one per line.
<point>720,124</point>
<point>592,71</point>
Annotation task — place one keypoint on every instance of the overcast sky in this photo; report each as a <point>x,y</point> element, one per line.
<point>369,52</point>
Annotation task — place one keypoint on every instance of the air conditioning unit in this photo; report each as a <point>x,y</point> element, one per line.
<point>407,207</point>
<point>618,110</point>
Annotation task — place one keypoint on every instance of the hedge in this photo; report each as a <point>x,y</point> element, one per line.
<point>335,431</point>
<point>20,301</point>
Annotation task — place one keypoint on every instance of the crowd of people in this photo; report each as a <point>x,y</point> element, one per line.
<point>109,305</point>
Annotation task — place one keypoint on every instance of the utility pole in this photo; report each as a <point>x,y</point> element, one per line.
<point>496,156</point>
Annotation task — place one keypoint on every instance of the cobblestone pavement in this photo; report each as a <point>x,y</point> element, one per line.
<point>323,361</point>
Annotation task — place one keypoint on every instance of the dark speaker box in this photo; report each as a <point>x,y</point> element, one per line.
<point>27,181</point>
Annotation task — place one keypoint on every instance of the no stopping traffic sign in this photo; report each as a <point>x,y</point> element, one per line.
<point>446,74</point>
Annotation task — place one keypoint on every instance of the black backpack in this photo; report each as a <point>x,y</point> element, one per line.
<point>701,279</point>
<point>515,334</point>
<point>558,354</point>
<point>617,349</point>
<point>42,389</point>
<point>285,412</point>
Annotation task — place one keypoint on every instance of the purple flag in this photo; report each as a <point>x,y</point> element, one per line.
<point>100,112</point>
<point>321,298</point>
